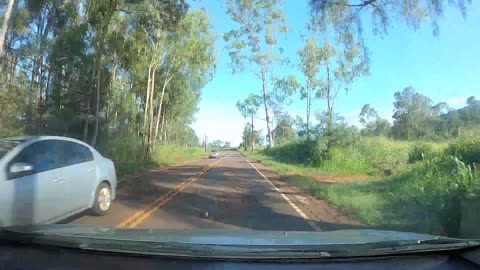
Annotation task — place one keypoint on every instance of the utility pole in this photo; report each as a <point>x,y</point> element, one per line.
<point>206,138</point>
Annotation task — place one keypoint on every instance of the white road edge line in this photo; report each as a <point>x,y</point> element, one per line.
<point>295,207</point>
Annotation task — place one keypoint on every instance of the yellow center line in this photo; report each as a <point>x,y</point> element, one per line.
<point>141,215</point>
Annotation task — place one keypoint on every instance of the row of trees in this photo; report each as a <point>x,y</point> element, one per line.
<point>329,66</point>
<point>415,117</point>
<point>95,70</point>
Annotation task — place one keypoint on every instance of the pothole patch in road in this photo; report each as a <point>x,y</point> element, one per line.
<point>303,200</point>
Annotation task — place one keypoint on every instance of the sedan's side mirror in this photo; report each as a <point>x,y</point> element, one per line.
<point>20,167</point>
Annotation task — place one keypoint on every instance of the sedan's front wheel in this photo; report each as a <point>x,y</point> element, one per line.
<point>103,200</point>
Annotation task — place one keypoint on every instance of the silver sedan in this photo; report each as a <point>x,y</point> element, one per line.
<point>45,179</point>
<point>214,154</point>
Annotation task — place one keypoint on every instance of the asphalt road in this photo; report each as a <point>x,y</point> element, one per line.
<point>226,193</point>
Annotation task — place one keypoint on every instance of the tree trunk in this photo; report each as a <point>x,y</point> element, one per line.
<point>309,103</point>
<point>251,136</point>
<point>165,132</point>
<point>147,99</point>
<point>97,104</point>
<point>152,110</point>
<point>89,103</point>
<point>13,71</point>
<point>43,60</point>
<point>6,18</point>
<point>149,138</point>
<point>163,126</point>
<point>265,103</point>
<point>329,112</point>
<point>160,108</point>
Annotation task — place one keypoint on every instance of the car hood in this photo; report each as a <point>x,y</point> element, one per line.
<point>233,244</point>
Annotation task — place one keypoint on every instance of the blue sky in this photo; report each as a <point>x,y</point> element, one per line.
<point>445,68</point>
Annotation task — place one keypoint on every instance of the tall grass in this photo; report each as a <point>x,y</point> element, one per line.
<point>165,155</point>
<point>128,154</point>
<point>433,185</point>
<point>427,198</point>
<point>122,149</point>
<point>466,149</point>
<point>279,165</point>
<point>367,155</point>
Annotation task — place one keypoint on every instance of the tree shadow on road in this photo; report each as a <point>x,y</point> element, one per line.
<point>231,195</point>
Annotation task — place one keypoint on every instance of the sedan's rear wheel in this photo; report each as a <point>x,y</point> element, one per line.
<point>103,200</point>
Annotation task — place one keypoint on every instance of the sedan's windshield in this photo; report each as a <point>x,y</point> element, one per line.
<point>7,145</point>
<point>264,115</point>
<point>4,150</point>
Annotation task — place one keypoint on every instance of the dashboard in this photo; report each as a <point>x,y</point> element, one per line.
<point>14,256</point>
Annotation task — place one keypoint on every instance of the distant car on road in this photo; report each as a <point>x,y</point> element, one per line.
<point>214,154</point>
<point>45,179</point>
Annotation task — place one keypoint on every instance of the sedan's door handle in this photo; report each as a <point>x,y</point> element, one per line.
<point>59,180</point>
<point>91,169</point>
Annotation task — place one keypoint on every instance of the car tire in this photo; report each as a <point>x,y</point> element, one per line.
<point>102,200</point>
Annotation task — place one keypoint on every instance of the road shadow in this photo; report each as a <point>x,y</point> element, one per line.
<point>230,196</point>
<point>140,192</point>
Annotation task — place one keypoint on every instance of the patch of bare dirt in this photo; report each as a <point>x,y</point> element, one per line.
<point>324,215</point>
<point>340,178</point>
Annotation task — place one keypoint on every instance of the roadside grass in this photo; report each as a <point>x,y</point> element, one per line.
<point>128,155</point>
<point>365,206</point>
<point>279,166</point>
<point>428,198</point>
<point>130,167</point>
<point>163,155</point>
<point>433,194</point>
<point>365,156</point>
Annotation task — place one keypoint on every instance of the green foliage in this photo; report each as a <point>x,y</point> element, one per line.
<point>248,109</point>
<point>352,155</point>
<point>427,198</point>
<point>11,103</point>
<point>165,155</point>
<point>292,152</point>
<point>251,138</point>
<point>84,72</point>
<point>467,150</point>
<point>127,152</point>
<point>284,130</point>
<point>253,44</point>
<point>310,63</point>
<point>411,114</point>
<point>122,148</point>
<point>421,152</point>
<point>416,117</point>
<point>347,17</point>
<point>368,155</point>
<point>250,106</point>
<point>280,164</point>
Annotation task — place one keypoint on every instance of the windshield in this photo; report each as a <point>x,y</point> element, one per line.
<point>7,145</point>
<point>273,115</point>
<point>4,149</point>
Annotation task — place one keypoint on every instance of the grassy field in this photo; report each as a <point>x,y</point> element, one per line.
<point>128,155</point>
<point>366,155</point>
<point>425,195</point>
<point>163,156</point>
